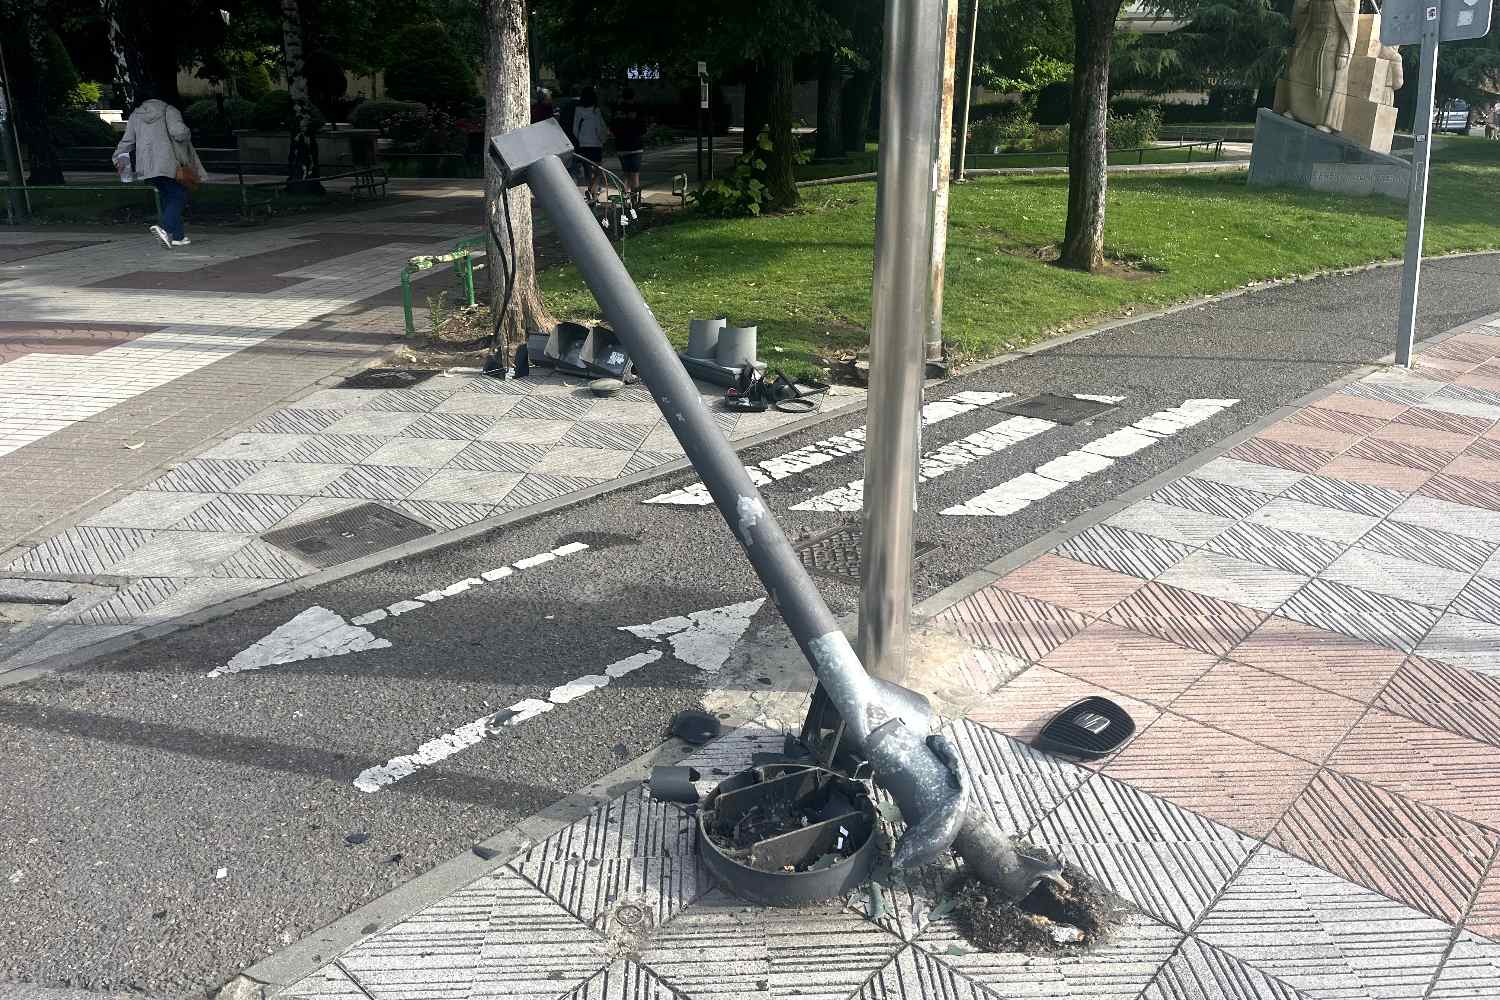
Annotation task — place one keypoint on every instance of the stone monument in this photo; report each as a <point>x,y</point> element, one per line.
<point>1336,107</point>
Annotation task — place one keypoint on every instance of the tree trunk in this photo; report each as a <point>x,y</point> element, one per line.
<point>781,163</point>
<point>302,161</point>
<point>124,80</point>
<point>1093,33</point>
<point>28,71</point>
<point>757,102</point>
<point>508,87</point>
<point>830,106</point>
<point>859,95</point>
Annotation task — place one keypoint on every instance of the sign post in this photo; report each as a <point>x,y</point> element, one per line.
<point>1428,22</point>
<point>705,110</point>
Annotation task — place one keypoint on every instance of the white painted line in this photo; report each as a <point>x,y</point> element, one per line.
<point>828,449</point>
<point>631,664</point>
<point>402,607</point>
<point>954,455</point>
<point>1020,492</point>
<point>316,632</point>
<point>536,560</point>
<point>490,576</point>
<point>703,639</point>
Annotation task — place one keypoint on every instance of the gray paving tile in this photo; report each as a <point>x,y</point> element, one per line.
<point>1246,583</point>
<point>1129,552</point>
<point>620,437</point>
<point>1176,524</point>
<point>253,447</point>
<point>1403,579</point>
<point>1290,551</point>
<point>83,550</point>
<point>383,424</point>
<point>1377,618</point>
<point>1247,475</point>
<point>583,463</point>
<point>528,431</point>
<point>303,479</point>
<point>149,509</point>
<point>466,486</point>
<point>1200,972</point>
<point>1016,784</point>
<point>1323,935</point>
<point>328,983</point>
<point>555,407</point>
<point>206,475</point>
<point>295,421</point>
<point>535,488</point>
<point>446,515</point>
<point>1341,494</point>
<point>1313,519</point>
<point>378,482</point>
<point>1428,545</point>
<point>623,979</point>
<point>333,448</point>
<point>643,460</point>
<point>1464,642</point>
<point>1211,497</point>
<point>1480,599</point>
<point>480,403</point>
<point>1471,971</point>
<point>451,426</point>
<point>499,456</point>
<point>1457,518</point>
<point>180,553</point>
<point>427,453</point>
<point>250,513</point>
<point>409,400</point>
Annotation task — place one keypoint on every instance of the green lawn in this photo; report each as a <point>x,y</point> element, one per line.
<point>804,277</point>
<point>864,163</point>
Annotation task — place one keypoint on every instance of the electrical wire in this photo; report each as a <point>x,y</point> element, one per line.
<point>618,180</point>
<point>509,267</point>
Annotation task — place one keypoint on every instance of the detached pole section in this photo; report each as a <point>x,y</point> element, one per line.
<point>905,216</point>
<point>920,771</point>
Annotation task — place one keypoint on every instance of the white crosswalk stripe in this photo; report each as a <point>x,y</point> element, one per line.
<point>1020,492</point>
<point>830,448</point>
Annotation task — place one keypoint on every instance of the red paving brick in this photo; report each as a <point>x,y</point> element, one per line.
<point>1470,467</point>
<point>1438,420</point>
<point>1023,706</point>
<point>1425,437</point>
<point>18,339</point>
<point>1361,405</point>
<point>1270,709</point>
<point>1336,420</point>
<point>1223,777</point>
<point>1013,623</point>
<point>1382,474</point>
<point>1071,584</point>
<point>1264,451</point>
<point>1186,618</point>
<point>1421,762</point>
<point>1463,490</point>
<point>1338,663</point>
<point>1411,852</point>
<point>1138,665</point>
<point>1299,433</point>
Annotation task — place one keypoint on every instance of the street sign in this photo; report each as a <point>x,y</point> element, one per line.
<point>1401,21</point>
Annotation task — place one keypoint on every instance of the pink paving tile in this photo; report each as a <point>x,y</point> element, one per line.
<point>1411,852</point>
<point>1328,660</point>
<point>1022,626</point>
<point>1223,777</point>
<point>1023,706</point>
<point>1463,489</point>
<point>1138,665</point>
<point>1336,420</point>
<point>1441,369</point>
<point>1464,347</point>
<point>1448,697</point>
<point>1293,431</point>
<point>1438,420</point>
<point>1479,380</point>
<point>1400,453</point>
<point>1187,618</point>
<point>1424,437</point>
<point>1485,449</point>
<point>1071,584</point>
<point>1470,467</point>
<point>1382,474</point>
<point>1359,404</point>
<point>1267,708</point>
<point>1264,451</point>
<point>1434,766</point>
<point>1484,914</point>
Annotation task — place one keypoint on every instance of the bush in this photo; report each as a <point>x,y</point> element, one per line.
<point>1133,131</point>
<point>1011,131</point>
<point>204,117</point>
<point>252,81</point>
<point>80,128</point>
<point>425,132</point>
<point>1051,140</point>
<point>429,68</point>
<point>744,191</point>
<point>273,112</point>
<point>1054,103</point>
<point>375,114</point>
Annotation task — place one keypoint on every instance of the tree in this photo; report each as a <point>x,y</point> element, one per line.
<point>1226,45</point>
<point>26,57</point>
<point>127,76</point>
<point>429,68</point>
<point>1088,175</point>
<point>508,85</point>
<point>302,160</point>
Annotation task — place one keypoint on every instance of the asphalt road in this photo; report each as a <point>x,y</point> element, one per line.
<point>164,829</point>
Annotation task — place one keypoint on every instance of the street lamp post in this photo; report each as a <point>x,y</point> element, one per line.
<point>963,131</point>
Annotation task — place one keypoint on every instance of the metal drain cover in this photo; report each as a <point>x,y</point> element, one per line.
<point>388,378</point>
<point>1058,409</point>
<point>836,553</point>
<point>328,541</point>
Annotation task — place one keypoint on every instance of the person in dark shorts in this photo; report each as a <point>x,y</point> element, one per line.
<point>590,130</point>
<point>629,128</point>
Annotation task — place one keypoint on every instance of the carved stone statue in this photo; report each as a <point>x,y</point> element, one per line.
<point>1339,77</point>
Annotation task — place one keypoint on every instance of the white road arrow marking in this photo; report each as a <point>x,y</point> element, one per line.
<point>703,639</point>
<point>1018,493</point>
<point>318,632</point>
<point>819,452</point>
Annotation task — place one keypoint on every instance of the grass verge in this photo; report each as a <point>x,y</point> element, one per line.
<point>804,277</point>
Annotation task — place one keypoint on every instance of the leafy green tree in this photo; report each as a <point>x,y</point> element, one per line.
<point>430,68</point>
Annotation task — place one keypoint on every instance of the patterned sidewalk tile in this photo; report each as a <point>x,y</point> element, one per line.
<point>1464,490</point>
<point>1480,599</point>
<point>1023,706</point>
<point>498,936</point>
<point>1168,861</point>
<point>1429,765</point>
<point>1428,545</point>
<point>1287,550</point>
<point>1174,524</point>
<point>1339,526</point>
<point>1267,708</point>
<point>1308,434</point>
<point>1018,785</point>
<point>1224,777</point>
<point>83,551</point>
<point>1411,456</point>
<point>1398,577</point>
<point>1123,551</point>
<point>1021,626</point>
<point>328,983</point>
<point>1070,584</point>
<point>725,947</point>
<point>1377,618</point>
<point>622,980</point>
<point>1118,968</point>
<point>1188,619</point>
<point>1438,420</point>
<point>1484,912</point>
<point>1200,972</point>
<point>1252,476</point>
<point>1382,475</point>
<point>634,849</point>
<point>1285,455</point>
<point>1132,663</point>
<point>1474,467</point>
<point>1340,494</point>
<point>1343,402</point>
<point>1430,512</point>
<point>1323,935</point>
<point>1471,972</point>
<point>1329,660</point>
<point>915,974</point>
<point>1336,420</point>
<point>1465,642</point>
<point>1249,584</point>
<point>1415,854</point>
<point>1448,697</point>
<point>1210,497</point>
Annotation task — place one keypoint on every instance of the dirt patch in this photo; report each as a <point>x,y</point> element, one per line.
<point>1051,920</point>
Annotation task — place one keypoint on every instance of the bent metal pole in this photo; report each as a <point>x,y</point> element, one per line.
<point>920,771</point>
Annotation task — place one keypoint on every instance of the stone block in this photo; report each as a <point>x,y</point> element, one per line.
<point>1288,153</point>
<point>1361,179</point>
<point>1369,123</point>
<point>1367,81</point>
<point>1367,36</point>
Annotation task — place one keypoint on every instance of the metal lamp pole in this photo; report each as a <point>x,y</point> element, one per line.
<point>963,132</point>
<point>905,211</point>
<point>1416,202</point>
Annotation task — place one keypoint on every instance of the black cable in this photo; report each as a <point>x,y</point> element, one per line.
<point>496,364</point>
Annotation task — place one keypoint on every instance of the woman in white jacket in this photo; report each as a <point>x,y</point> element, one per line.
<point>163,148</point>
<point>590,131</point>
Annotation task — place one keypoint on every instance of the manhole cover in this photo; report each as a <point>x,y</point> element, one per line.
<point>1058,409</point>
<point>347,535</point>
<point>836,553</point>
<point>388,378</point>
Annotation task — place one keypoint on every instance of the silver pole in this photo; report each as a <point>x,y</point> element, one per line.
<point>906,191</point>
<point>963,131</point>
<point>1416,200</point>
<point>933,355</point>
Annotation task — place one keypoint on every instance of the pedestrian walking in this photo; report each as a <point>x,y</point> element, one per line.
<point>589,131</point>
<point>629,129</point>
<point>160,145</point>
<point>1492,123</point>
<point>542,108</point>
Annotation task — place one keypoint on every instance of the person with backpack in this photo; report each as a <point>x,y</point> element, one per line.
<point>629,128</point>
<point>589,131</point>
<point>161,147</point>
